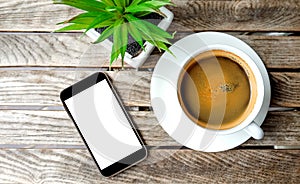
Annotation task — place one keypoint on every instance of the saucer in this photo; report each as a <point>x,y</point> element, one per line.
<point>167,108</point>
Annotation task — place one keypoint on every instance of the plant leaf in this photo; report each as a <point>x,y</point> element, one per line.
<point>114,54</point>
<point>105,23</point>
<point>155,36</point>
<point>150,40</point>
<point>124,40</point>
<point>138,23</point>
<point>114,9</point>
<point>117,44</point>
<point>128,2</point>
<point>72,27</point>
<point>141,14</point>
<point>84,18</point>
<point>136,35</point>
<point>140,8</point>
<point>98,20</point>
<point>163,46</point>
<point>112,14</point>
<point>136,2</point>
<point>157,4</point>
<point>158,30</point>
<point>105,34</point>
<point>88,5</point>
<point>159,38</point>
<point>120,41</point>
<point>148,6</point>
<point>119,3</point>
<point>108,2</point>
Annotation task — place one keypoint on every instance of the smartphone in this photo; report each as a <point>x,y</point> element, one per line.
<point>103,123</point>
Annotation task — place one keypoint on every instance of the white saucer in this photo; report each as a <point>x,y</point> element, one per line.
<point>165,101</point>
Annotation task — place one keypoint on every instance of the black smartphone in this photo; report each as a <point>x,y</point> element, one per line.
<point>103,123</point>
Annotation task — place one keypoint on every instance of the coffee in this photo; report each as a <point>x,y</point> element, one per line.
<point>217,90</point>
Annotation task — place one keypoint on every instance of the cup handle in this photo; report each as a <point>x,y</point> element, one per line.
<point>254,131</point>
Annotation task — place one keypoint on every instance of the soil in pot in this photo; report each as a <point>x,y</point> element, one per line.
<point>133,48</point>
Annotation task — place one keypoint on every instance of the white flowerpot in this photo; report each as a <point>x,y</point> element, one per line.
<point>139,60</point>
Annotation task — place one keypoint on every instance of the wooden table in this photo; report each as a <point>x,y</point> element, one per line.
<point>39,143</point>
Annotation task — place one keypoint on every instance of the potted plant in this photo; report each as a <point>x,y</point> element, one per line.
<point>123,24</point>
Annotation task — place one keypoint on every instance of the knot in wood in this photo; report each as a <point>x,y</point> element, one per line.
<point>243,10</point>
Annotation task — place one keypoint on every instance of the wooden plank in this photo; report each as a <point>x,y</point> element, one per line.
<point>198,15</point>
<point>276,51</point>
<point>62,50</point>
<point>285,89</point>
<point>42,87</point>
<point>280,128</point>
<point>54,128</point>
<point>33,15</point>
<point>31,129</point>
<point>195,15</point>
<point>167,166</point>
<point>68,50</point>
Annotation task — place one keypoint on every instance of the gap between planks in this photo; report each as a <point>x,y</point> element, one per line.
<point>163,166</point>
<point>131,108</point>
<point>105,69</point>
<point>132,86</point>
<point>197,15</point>
<point>78,147</point>
<point>25,129</point>
<point>237,32</point>
<point>69,51</point>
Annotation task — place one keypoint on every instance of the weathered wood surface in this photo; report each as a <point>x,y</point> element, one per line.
<point>43,87</point>
<point>195,15</point>
<point>241,15</point>
<point>167,166</point>
<point>68,50</point>
<point>54,129</point>
<point>280,128</point>
<point>49,147</point>
<point>285,89</point>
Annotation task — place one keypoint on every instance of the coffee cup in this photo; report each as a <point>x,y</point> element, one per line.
<point>221,89</point>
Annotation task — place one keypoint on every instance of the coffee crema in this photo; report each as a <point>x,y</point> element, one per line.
<point>217,90</point>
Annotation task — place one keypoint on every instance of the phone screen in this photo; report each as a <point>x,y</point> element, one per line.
<point>103,124</point>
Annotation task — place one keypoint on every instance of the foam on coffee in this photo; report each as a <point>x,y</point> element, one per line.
<point>217,90</point>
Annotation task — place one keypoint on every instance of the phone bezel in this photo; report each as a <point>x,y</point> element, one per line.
<point>82,85</point>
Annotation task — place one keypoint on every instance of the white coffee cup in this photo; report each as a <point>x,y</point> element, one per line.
<point>168,109</point>
<point>248,124</point>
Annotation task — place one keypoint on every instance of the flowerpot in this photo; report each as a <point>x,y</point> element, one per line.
<point>137,61</point>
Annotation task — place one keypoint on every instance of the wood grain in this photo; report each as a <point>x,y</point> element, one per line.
<point>285,88</point>
<point>280,128</point>
<point>167,166</point>
<point>40,49</point>
<point>276,52</point>
<point>29,87</point>
<point>242,15</point>
<point>68,50</point>
<point>54,129</point>
<point>29,53</point>
<point>32,129</point>
<point>33,15</point>
<point>42,88</point>
<point>190,15</point>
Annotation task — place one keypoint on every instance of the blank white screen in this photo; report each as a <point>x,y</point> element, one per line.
<point>103,124</point>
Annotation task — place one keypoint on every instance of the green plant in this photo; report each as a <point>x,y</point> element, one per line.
<point>119,18</point>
